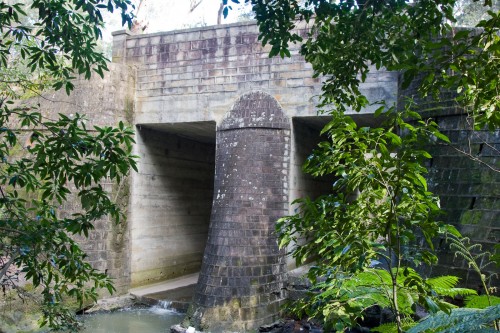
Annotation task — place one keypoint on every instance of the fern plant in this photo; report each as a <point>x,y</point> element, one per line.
<point>341,300</point>
<point>462,320</point>
<point>478,262</point>
<point>476,258</point>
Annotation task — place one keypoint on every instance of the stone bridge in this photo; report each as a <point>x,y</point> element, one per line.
<point>211,102</point>
<point>187,82</point>
<point>222,132</point>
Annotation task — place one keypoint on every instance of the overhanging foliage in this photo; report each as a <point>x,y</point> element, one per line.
<point>45,162</point>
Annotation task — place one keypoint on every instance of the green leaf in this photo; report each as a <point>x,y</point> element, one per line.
<point>395,139</point>
<point>441,136</point>
<point>422,181</point>
<point>379,111</point>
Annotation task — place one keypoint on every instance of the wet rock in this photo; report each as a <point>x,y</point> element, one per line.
<point>271,327</point>
<point>110,304</point>
<point>179,329</point>
<point>291,326</point>
<point>316,330</point>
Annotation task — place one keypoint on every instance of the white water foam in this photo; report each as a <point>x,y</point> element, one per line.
<point>162,307</point>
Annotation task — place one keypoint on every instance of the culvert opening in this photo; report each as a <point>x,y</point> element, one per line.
<point>305,138</point>
<point>171,200</point>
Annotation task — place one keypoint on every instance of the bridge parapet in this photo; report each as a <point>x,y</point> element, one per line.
<point>196,74</point>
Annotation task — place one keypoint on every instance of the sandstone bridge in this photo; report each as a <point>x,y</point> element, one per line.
<point>222,132</point>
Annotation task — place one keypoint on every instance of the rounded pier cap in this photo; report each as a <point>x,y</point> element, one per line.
<point>255,109</point>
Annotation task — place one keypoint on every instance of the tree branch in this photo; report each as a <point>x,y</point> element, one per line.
<point>7,265</point>
<point>474,158</point>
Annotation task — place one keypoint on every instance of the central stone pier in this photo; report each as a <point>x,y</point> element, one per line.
<point>243,274</point>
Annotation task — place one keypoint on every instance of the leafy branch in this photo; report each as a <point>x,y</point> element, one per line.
<point>47,43</point>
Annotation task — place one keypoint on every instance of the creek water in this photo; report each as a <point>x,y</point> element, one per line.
<point>154,319</point>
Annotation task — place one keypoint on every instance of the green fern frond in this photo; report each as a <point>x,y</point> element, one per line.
<point>443,282</point>
<point>445,286</point>
<point>453,292</point>
<point>460,253</point>
<point>481,301</point>
<point>475,247</point>
<point>478,261</point>
<point>459,321</point>
<point>472,253</point>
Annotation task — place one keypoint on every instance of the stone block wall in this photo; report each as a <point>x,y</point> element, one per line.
<point>104,102</point>
<point>206,69</point>
<point>465,175</point>
<point>469,191</point>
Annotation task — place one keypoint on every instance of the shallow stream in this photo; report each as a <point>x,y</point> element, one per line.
<point>132,320</point>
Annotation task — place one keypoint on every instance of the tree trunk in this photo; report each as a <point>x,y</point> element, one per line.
<point>219,13</point>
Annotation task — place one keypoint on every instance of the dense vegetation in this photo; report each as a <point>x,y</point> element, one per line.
<point>363,236</point>
<point>45,44</point>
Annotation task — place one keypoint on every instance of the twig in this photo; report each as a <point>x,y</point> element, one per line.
<point>6,266</point>
<point>474,158</point>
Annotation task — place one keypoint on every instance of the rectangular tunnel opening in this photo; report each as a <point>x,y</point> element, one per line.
<point>171,200</point>
<point>305,138</point>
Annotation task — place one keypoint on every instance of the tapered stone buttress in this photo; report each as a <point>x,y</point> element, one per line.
<point>243,274</point>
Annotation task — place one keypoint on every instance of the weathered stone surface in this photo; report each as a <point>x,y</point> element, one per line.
<point>468,191</point>
<point>243,274</point>
<point>104,102</point>
<point>462,173</point>
<point>195,74</point>
<point>113,303</point>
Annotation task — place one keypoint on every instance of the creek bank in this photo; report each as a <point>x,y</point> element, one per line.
<point>282,326</point>
<point>18,315</point>
<point>15,321</point>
